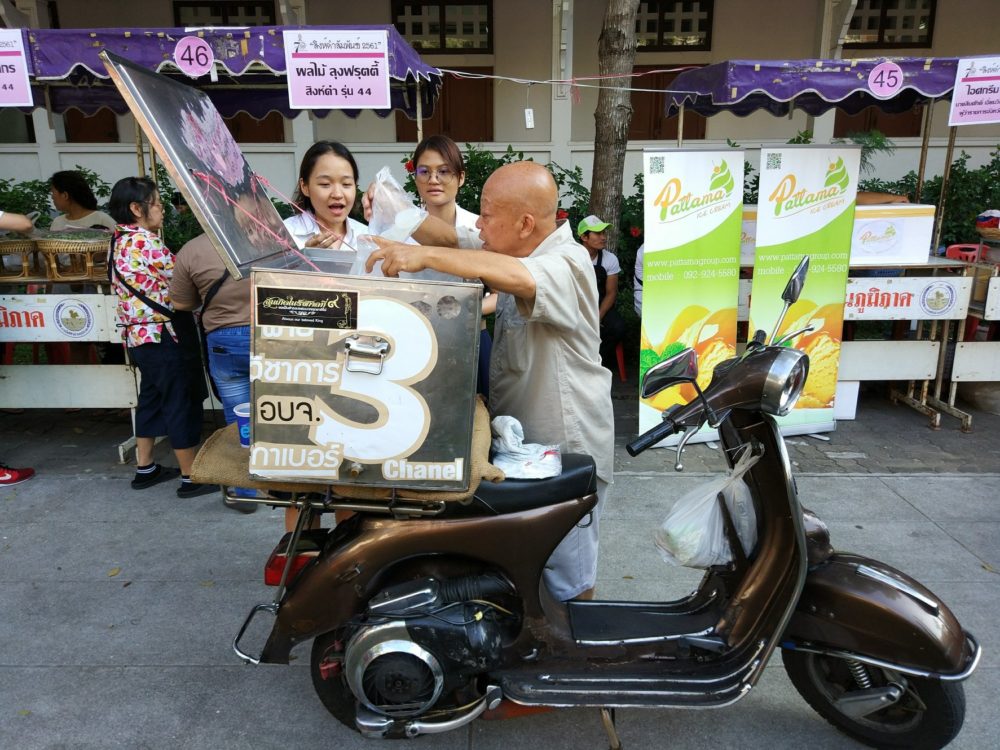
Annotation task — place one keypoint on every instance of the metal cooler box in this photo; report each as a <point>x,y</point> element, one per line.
<point>363,381</point>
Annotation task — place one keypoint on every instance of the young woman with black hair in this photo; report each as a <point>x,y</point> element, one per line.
<point>326,190</point>
<point>73,197</point>
<point>161,342</point>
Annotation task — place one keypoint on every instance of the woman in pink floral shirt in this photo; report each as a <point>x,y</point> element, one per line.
<point>161,342</point>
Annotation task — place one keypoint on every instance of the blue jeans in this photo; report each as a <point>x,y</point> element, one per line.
<point>229,363</point>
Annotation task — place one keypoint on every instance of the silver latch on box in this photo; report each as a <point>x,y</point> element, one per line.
<point>364,347</point>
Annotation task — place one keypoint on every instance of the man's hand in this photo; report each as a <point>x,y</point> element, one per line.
<point>397,257</point>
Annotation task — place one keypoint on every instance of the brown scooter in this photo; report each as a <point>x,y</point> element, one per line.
<point>422,617</point>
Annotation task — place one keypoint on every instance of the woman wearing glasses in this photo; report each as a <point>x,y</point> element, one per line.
<point>439,172</point>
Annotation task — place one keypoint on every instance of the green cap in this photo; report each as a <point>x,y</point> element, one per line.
<point>591,224</point>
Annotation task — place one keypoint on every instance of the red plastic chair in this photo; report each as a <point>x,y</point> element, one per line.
<point>966,253</point>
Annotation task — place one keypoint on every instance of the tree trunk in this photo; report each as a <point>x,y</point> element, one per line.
<point>616,56</point>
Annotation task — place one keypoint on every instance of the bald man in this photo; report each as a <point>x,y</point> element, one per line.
<point>546,368</point>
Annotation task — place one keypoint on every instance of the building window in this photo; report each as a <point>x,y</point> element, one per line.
<point>436,26</point>
<point>225,13</point>
<point>894,125</point>
<point>674,25</point>
<point>463,111</point>
<point>891,23</point>
<point>649,120</point>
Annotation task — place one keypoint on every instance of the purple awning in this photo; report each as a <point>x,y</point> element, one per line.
<point>813,86</point>
<point>65,65</point>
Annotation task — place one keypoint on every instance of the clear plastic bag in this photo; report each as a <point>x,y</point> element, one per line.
<point>693,534</point>
<point>393,214</point>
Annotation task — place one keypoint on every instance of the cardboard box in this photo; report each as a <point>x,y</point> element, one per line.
<point>363,381</point>
<point>884,235</point>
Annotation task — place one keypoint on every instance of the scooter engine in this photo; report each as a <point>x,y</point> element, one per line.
<point>425,638</point>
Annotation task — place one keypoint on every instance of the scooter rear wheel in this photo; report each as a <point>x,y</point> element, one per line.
<point>928,716</point>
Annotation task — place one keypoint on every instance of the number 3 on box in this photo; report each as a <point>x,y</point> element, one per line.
<point>401,428</point>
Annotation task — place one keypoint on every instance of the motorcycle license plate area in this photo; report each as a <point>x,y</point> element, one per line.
<point>363,381</point>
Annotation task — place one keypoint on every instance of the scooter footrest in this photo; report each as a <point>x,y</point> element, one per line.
<point>700,687</point>
<point>618,622</point>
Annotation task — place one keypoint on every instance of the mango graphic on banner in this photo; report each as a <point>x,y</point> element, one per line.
<point>822,345</point>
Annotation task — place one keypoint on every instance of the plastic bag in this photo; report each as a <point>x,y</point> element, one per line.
<point>693,534</point>
<point>393,214</point>
<point>520,460</point>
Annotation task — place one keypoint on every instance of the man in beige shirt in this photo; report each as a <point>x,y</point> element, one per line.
<point>200,280</point>
<point>545,369</point>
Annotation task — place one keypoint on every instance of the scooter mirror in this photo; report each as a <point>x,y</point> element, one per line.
<point>796,281</point>
<point>680,368</point>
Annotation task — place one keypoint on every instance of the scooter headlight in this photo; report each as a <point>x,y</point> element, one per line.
<point>784,382</point>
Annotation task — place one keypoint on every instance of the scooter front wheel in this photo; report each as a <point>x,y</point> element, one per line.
<point>927,715</point>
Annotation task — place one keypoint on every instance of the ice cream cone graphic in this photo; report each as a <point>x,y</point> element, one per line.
<point>836,175</point>
<point>722,178</point>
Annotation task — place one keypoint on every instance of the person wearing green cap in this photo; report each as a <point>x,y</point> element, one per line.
<point>593,236</point>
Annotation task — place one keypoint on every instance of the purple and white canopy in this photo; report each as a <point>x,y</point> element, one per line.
<point>813,86</point>
<point>64,67</point>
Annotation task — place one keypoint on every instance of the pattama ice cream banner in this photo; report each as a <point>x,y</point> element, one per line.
<point>693,211</point>
<point>806,207</point>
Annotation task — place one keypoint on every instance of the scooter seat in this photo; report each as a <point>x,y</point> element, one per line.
<point>578,478</point>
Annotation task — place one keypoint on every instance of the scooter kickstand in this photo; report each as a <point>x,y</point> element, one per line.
<point>608,719</point>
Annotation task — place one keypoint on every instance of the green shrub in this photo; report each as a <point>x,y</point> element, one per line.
<point>27,196</point>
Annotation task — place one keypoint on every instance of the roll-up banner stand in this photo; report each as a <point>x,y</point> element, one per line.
<point>806,207</point>
<point>693,213</point>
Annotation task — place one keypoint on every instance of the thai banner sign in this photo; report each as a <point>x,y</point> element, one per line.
<point>15,90</point>
<point>908,298</point>
<point>806,207</point>
<point>58,317</point>
<point>693,210</point>
<point>976,98</point>
<point>346,69</point>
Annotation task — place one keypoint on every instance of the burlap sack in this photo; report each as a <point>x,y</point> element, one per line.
<point>222,460</point>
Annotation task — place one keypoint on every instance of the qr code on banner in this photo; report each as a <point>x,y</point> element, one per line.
<point>656,165</point>
<point>773,161</point>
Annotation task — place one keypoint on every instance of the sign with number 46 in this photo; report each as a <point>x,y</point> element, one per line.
<point>194,56</point>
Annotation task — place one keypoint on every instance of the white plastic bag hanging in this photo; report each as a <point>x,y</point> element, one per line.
<point>693,534</point>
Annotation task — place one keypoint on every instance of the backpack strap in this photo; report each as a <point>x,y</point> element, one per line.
<point>213,290</point>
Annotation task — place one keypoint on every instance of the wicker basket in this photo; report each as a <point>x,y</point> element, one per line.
<point>989,233</point>
<point>18,258</point>
<point>75,259</point>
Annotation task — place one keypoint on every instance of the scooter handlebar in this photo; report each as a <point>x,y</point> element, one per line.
<point>664,429</point>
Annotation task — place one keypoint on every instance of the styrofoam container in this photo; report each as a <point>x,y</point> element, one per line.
<point>895,234</point>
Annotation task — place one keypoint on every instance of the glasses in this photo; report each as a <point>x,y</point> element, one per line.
<point>444,174</point>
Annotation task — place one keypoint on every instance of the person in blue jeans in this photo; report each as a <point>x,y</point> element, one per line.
<point>201,280</point>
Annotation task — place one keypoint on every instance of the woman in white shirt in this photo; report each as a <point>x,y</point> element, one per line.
<point>327,188</point>
<point>72,196</point>
<point>439,171</point>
